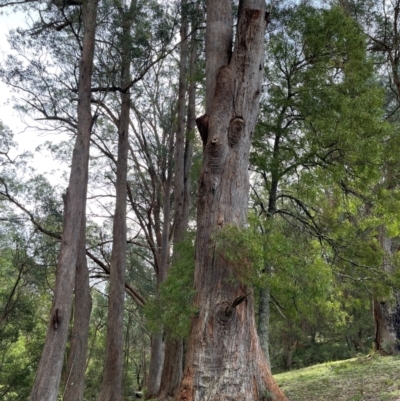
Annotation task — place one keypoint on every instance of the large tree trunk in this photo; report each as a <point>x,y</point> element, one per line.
<point>224,357</point>
<point>76,363</point>
<point>48,376</point>
<point>111,387</point>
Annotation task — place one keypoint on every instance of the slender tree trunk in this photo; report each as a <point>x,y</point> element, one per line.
<point>263,321</point>
<point>263,307</point>
<point>47,381</point>
<point>191,127</point>
<point>157,343</point>
<point>111,388</point>
<point>387,312</point>
<point>155,365</point>
<point>173,361</point>
<point>288,344</point>
<point>224,358</point>
<point>76,364</point>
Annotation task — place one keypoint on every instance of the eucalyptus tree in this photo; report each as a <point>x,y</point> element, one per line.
<point>224,358</point>
<point>150,120</point>
<point>49,371</point>
<point>47,94</point>
<point>150,191</point>
<point>111,388</point>
<point>51,93</point>
<point>35,209</point>
<point>148,188</point>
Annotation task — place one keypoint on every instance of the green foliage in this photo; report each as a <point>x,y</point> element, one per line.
<point>314,353</point>
<point>275,258</point>
<point>243,249</point>
<point>173,307</point>
<point>323,111</point>
<point>97,345</point>
<point>320,148</point>
<point>23,316</point>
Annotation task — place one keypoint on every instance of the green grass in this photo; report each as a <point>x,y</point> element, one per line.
<point>373,378</point>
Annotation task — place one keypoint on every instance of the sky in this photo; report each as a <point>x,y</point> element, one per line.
<point>7,114</point>
<point>28,139</point>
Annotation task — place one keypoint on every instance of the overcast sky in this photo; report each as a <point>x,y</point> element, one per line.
<point>27,139</point>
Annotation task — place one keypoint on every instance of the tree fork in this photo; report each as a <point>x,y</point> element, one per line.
<point>224,358</point>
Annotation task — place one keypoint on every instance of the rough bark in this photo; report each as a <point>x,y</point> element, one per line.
<point>76,363</point>
<point>48,376</point>
<point>111,387</point>
<point>224,357</point>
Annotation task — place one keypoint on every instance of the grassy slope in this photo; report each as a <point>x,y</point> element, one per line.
<point>359,379</point>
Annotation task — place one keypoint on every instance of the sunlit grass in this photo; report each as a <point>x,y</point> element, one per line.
<point>372,378</point>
